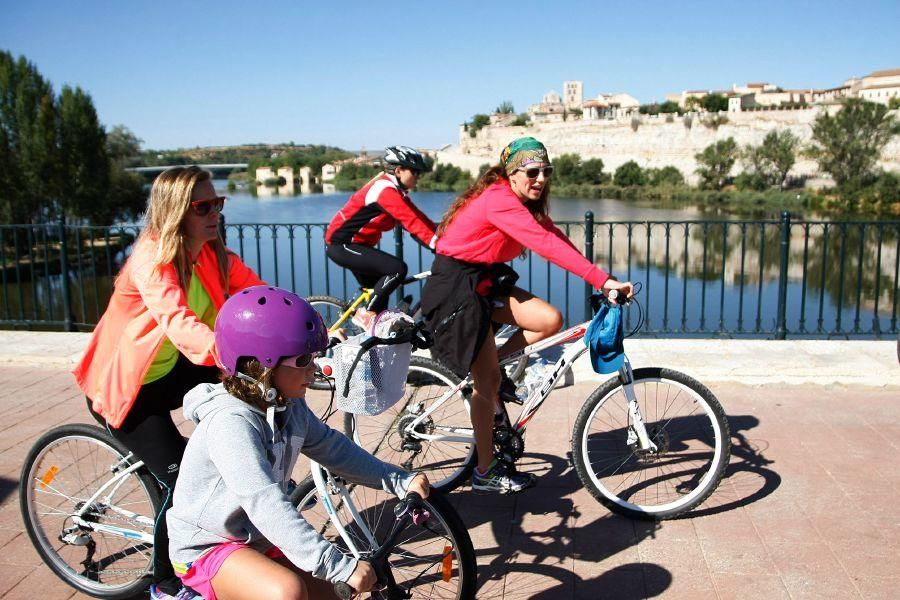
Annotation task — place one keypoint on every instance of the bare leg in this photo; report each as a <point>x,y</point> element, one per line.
<point>486,381</point>
<point>535,318</point>
<point>249,575</point>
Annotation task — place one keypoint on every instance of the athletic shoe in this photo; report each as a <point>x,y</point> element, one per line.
<point>502,479</point>
<point>183,594</point>
<point>507,391</point>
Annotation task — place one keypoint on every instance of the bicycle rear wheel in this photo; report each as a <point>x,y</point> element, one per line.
<point>685,421</point>
<point>62,471</point>
<point>434,560</point>
<point>389,437</point>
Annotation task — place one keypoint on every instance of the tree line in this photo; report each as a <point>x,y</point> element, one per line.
<point>56,159</point>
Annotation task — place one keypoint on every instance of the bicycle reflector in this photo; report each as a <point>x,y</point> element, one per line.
<point>447,563</point>
<point>47,479</point>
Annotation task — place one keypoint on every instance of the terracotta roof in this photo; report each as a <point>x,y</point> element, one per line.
<point>595,104</point>
<point>885,73</point>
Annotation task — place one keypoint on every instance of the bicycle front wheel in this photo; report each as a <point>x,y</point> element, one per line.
<point>432,560</point>
<point>105,552</point>
<point>428,446</point>
<point>685,422</point>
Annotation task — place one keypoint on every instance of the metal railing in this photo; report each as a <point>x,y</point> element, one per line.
<point>761,278</point>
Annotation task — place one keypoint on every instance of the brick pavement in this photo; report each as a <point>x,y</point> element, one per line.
<point>807,510</point>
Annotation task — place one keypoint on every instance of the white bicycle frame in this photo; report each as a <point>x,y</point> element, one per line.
<point>326,482</point>
<point>537,396</point>
<point>113,486</point>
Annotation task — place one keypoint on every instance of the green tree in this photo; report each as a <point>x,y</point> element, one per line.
<point>30,155</point>
<point>669,107</point>
<point>894,103</point>
<point>714,103</point>
<point>505,108</point>
<point>847,145</point>
<point>567,168</point>
<point>478,121</point>
<point>629,174</point>
<point>668,175</point>
<point>521,120</point>
<point>592,171</point>
<point>715,163</point>
<point>84,162</point>
<point>770,162</point>
<point>123,146</point>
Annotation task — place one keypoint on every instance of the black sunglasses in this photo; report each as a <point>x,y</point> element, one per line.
<point>203,207</point>
<point>533,172</point>
<point>301,361</point>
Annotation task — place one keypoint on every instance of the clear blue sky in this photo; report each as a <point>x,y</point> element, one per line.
<point>370,74</point>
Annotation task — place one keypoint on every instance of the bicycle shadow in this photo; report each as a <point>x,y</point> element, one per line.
<point>630,581</point>
<point>748,478</point>
<point>7,487</point>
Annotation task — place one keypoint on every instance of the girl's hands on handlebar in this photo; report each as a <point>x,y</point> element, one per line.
<point>363,578</point>
<point>622,287</point>
<point>420,485</point>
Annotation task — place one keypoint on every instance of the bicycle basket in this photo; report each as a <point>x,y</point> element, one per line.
<point>377,382</point>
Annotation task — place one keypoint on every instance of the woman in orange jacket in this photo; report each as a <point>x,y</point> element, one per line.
<point>155,341</point>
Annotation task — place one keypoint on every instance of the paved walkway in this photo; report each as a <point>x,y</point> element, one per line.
<point>808,508</point>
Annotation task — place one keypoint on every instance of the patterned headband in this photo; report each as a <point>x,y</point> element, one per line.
<point>521,151</point>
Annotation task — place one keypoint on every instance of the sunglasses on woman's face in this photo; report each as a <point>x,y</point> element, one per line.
<point>301,361</point>
<point>203,207</point>
<point>533,172</point>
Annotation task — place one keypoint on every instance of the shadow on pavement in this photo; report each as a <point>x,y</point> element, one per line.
<point>7,487</point>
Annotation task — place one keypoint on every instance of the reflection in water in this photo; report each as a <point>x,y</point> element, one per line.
<point>699,277</point>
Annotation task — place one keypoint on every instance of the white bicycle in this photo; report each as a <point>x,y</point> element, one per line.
<point>649,443</point>
<point>89,509</point>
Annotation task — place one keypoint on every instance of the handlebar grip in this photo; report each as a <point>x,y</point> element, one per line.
<point>343,590</point>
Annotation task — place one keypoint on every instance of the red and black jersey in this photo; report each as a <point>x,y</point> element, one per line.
<point>376,208</point>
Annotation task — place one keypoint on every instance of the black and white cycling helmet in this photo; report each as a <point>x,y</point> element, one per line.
<point>404,156</point>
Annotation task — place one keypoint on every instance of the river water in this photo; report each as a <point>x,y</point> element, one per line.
<point>700,274</point>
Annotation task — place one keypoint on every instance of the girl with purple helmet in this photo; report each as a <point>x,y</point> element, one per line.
<point>232,521</point>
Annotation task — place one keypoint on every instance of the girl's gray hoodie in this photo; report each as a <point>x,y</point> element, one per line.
<point>232,481</point>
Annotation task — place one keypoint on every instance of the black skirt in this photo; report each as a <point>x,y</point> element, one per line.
<point>457,316</point>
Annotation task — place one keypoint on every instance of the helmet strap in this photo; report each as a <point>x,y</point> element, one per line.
<point>270,394</point>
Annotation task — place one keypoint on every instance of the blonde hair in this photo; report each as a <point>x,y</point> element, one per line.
<point>247,391</point>
<point>169,204</point>
<point>493,175</point>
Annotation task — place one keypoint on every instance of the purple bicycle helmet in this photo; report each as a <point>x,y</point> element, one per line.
<point>268,324</point>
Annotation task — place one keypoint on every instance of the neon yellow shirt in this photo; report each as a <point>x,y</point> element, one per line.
<point>198,300</point>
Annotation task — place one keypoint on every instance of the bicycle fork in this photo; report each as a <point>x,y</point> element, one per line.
<point>637,432</point>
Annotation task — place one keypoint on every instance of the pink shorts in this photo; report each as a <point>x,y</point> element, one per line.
<point>198,574</point>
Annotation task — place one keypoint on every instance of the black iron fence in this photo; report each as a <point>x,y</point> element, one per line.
<point>763,278</point>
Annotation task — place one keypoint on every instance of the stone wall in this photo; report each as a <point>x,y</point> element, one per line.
<point>652,141</point>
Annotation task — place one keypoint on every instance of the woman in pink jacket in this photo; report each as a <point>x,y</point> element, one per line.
<point>155,341</point>
<point>493,222</point>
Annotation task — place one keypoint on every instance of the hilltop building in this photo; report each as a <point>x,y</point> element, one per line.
<point>878,86</point>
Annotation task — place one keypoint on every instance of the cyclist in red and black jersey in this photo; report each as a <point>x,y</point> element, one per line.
<point>356,229</point>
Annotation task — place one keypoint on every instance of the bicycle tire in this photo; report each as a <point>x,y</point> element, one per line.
<point>447,464</point>
<point>694,447</point>
<point>418,551</point>
<point>66,466</point>
<point>331,308</point>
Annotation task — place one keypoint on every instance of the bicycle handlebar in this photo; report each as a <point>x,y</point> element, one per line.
<point>411,506</point>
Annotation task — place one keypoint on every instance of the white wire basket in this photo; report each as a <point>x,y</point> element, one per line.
<point>377,382</point>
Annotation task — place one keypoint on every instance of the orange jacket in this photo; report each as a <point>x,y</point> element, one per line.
<point>148,305</point>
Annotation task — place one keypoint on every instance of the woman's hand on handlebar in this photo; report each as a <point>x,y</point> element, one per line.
<point>363,578</point>
<point>622,287</point>
<point>420,485</point>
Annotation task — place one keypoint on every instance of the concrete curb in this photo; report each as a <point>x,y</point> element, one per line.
<point>751,362</point>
